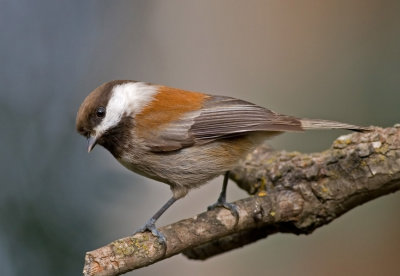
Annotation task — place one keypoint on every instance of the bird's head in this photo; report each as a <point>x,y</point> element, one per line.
<point>107,113</point>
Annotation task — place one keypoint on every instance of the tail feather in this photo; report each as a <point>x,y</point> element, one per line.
<point>325,124</point>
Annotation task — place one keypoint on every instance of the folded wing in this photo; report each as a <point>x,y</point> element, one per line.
<point>219,118</point>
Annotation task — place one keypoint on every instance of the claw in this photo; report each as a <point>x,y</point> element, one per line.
<point>151,227</point>
<point>221,202</point>
<point>230,206</point>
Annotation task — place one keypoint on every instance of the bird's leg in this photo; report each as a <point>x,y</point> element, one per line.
<point>221,202</point>
<point>150,224</point>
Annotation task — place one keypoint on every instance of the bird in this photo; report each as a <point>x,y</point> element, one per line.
<point>181,138</point>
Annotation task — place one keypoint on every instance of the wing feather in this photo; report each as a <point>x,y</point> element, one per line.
<point>219,118</point>
<point>224,117</point>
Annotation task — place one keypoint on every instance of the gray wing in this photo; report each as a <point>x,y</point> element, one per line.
<point>221,117</point>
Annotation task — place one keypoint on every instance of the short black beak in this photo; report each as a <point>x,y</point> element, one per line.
<point>92,141</point>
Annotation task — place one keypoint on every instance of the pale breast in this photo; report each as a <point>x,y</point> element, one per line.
<point>193,166</point>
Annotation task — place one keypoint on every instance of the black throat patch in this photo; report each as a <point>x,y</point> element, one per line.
<point>117,139</point>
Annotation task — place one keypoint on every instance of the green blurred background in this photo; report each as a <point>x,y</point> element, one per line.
<point>335,60</point>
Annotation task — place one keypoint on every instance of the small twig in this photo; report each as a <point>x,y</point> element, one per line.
<point>296,193</point>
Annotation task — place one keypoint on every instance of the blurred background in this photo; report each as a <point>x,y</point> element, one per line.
<point>336,60</point>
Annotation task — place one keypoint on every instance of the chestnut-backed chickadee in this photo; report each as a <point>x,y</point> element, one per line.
<point>178,137</point>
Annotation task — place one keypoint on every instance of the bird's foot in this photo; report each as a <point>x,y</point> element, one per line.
<point>230,206</point>
<point>151,227</point>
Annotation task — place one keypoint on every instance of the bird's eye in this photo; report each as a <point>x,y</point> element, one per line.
<point>100,112</point>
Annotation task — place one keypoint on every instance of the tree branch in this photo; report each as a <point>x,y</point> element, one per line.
<point>294,193</point>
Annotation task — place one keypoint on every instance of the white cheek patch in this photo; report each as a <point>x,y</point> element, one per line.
<point>126,99</point>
